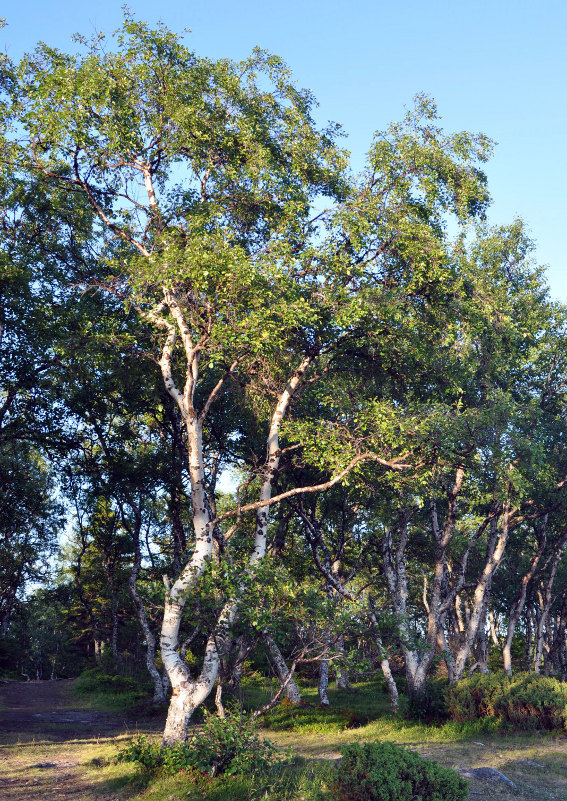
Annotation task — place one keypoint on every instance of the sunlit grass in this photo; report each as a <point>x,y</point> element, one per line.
<point>315,736</point>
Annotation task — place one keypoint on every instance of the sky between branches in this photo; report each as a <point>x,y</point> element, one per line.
<point>497,67</point>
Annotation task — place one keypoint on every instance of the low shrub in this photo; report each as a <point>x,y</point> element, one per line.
<point>388,772</point>
<point>431,706</point>
<point>524,700</point>
<point>147,753</point>
<point>96,680</point>
<point>229,746</point>
<point>533,701</point>
<point>474,698</point>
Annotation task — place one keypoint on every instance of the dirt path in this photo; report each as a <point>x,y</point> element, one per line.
<point>51,745</point>
<point>47,737</point>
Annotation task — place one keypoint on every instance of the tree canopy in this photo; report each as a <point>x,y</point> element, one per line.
<point>288,410</point>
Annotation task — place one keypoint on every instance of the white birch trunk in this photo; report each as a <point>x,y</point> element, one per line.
<point>417,663</point>
<point>495,552</point>
<point>292,690</point>
<point>323,685</point>
<point>187,694</point>
<point>518,605</point>
<point>387,673</point>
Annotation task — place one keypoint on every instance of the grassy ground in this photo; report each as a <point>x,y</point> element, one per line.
<point>535,762</point>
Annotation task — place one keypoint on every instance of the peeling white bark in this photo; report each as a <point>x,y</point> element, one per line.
<point>292,691</point>
<point>188,694</point>
<point>518,605</point>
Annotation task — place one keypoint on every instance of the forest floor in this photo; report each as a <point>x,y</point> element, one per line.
<point>51,742</point>
<point>55,745</point>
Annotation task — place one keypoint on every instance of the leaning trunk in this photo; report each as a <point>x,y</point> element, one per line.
<point>187,694</point>
<point>518,605</point>
<point>292,691</point>
<point>387,673</point>
<point>495,552</point>
<point>159,689</point>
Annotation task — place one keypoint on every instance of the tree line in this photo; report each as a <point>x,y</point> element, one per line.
<point>274,411</point>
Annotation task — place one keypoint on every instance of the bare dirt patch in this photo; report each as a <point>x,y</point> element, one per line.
<point>52,744</point>
<point>48,738</point>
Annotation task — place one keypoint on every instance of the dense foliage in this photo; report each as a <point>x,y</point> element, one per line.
<point>282,419</point>
<point>229,745</point>
<point>388,772</point>
<point>525,701</point>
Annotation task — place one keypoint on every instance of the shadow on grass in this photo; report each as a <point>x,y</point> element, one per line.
<point>300,779</point>
<point>363,715</point>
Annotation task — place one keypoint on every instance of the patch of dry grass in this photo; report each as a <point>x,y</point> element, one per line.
<point>81,766</point>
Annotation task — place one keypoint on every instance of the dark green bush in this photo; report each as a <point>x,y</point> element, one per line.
<point>474,698</point>
<point>387,772</point>
<point>534,702</point>
<point>524,700</point>
<point>431,706</point>
<point>96,680</point>
<point>229,746</point>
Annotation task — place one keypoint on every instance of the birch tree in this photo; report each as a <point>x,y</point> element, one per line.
<point>203,183</point>
<point>223,166</point>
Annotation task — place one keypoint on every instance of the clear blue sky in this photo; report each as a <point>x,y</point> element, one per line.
<point>497,67</point>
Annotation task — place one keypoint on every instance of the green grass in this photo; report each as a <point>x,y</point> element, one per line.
<point>111,693</point>
<point>118,703</point>
<point>315,736</point>
<point>362,713</point>
<point>299,781</point>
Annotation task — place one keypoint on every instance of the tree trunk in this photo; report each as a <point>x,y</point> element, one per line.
<point>323,682</point>
<point>417,662</point>
<point>387,673</point>
<point>241,649</point>
<point>160,688</point>
<point>160,691</point>
<point>343,681</point>
<point>114,617</point>
<point>557,649</point>
<point>186,693</point>
<point>494,554</point>
<point>291,691</point>
<point>518,605</point>
<point>530,627</point>
<point>546,601</point>
<point>494,620</point>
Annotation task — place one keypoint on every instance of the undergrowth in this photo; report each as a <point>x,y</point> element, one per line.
<point>229,746</point>
<point>523,701</point>
<point>110,692</point>
<point>387,772</point>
